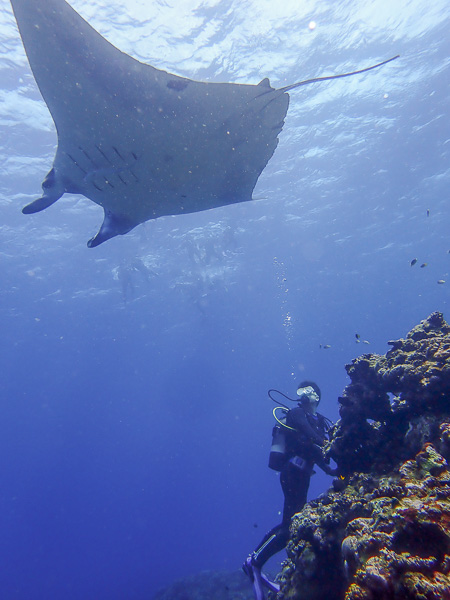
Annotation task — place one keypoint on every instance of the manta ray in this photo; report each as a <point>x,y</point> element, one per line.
<point>138,141</point>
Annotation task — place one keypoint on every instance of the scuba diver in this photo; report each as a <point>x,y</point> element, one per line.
<point>126,275</point>
<point>297,442</point>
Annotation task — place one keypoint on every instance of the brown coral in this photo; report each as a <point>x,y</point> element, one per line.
<point>411,551</point>
<point>393,399</point>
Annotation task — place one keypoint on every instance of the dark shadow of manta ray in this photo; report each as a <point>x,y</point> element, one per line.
<point>138,141</point>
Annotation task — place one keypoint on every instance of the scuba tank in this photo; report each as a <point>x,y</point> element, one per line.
<point>277,456</point>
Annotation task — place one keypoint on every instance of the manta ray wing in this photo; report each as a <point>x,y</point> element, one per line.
<point>138,141</point>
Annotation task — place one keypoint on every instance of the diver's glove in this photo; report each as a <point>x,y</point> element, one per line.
<point>323,462</point>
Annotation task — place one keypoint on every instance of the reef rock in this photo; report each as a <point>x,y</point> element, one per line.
<point>394,402</point>
<point>383,531</point>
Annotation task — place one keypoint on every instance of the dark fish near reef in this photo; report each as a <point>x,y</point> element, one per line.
<point>423,265</point>
<point>138,141</point>
<point>413,262</point>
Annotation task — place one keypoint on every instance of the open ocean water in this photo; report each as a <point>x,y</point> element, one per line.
<point>135,424</point>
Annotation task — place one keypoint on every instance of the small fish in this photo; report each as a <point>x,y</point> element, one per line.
<point>441,281</point>
<point>428,212</point>
<point>366,342</point>
<point>357,336</point>
<point>325,347</point>
<point>423,265</point>
<point>413,262</point>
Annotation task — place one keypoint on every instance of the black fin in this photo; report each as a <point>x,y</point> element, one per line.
<point>53,189</point>
<point>265,83</point>
<point>40,204</point>
<point>112,225</point>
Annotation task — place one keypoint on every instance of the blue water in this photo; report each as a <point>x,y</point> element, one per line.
<point>135,423</point>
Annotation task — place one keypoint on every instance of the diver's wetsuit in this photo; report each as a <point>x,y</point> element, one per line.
<point>303,450</point>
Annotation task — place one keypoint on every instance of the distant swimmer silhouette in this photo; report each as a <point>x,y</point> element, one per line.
<point>126,275</point>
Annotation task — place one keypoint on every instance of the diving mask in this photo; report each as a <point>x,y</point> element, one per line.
<point>308,394</point>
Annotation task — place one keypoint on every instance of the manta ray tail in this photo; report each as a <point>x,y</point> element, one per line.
<point>112,225</point>
<point>316,79</point>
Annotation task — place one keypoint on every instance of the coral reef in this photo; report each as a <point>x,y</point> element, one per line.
<point>393,402</point>
<point>383,531</point>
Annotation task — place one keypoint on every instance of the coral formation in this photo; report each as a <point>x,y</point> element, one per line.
<point>383,531</point>
<point>393,402</point>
